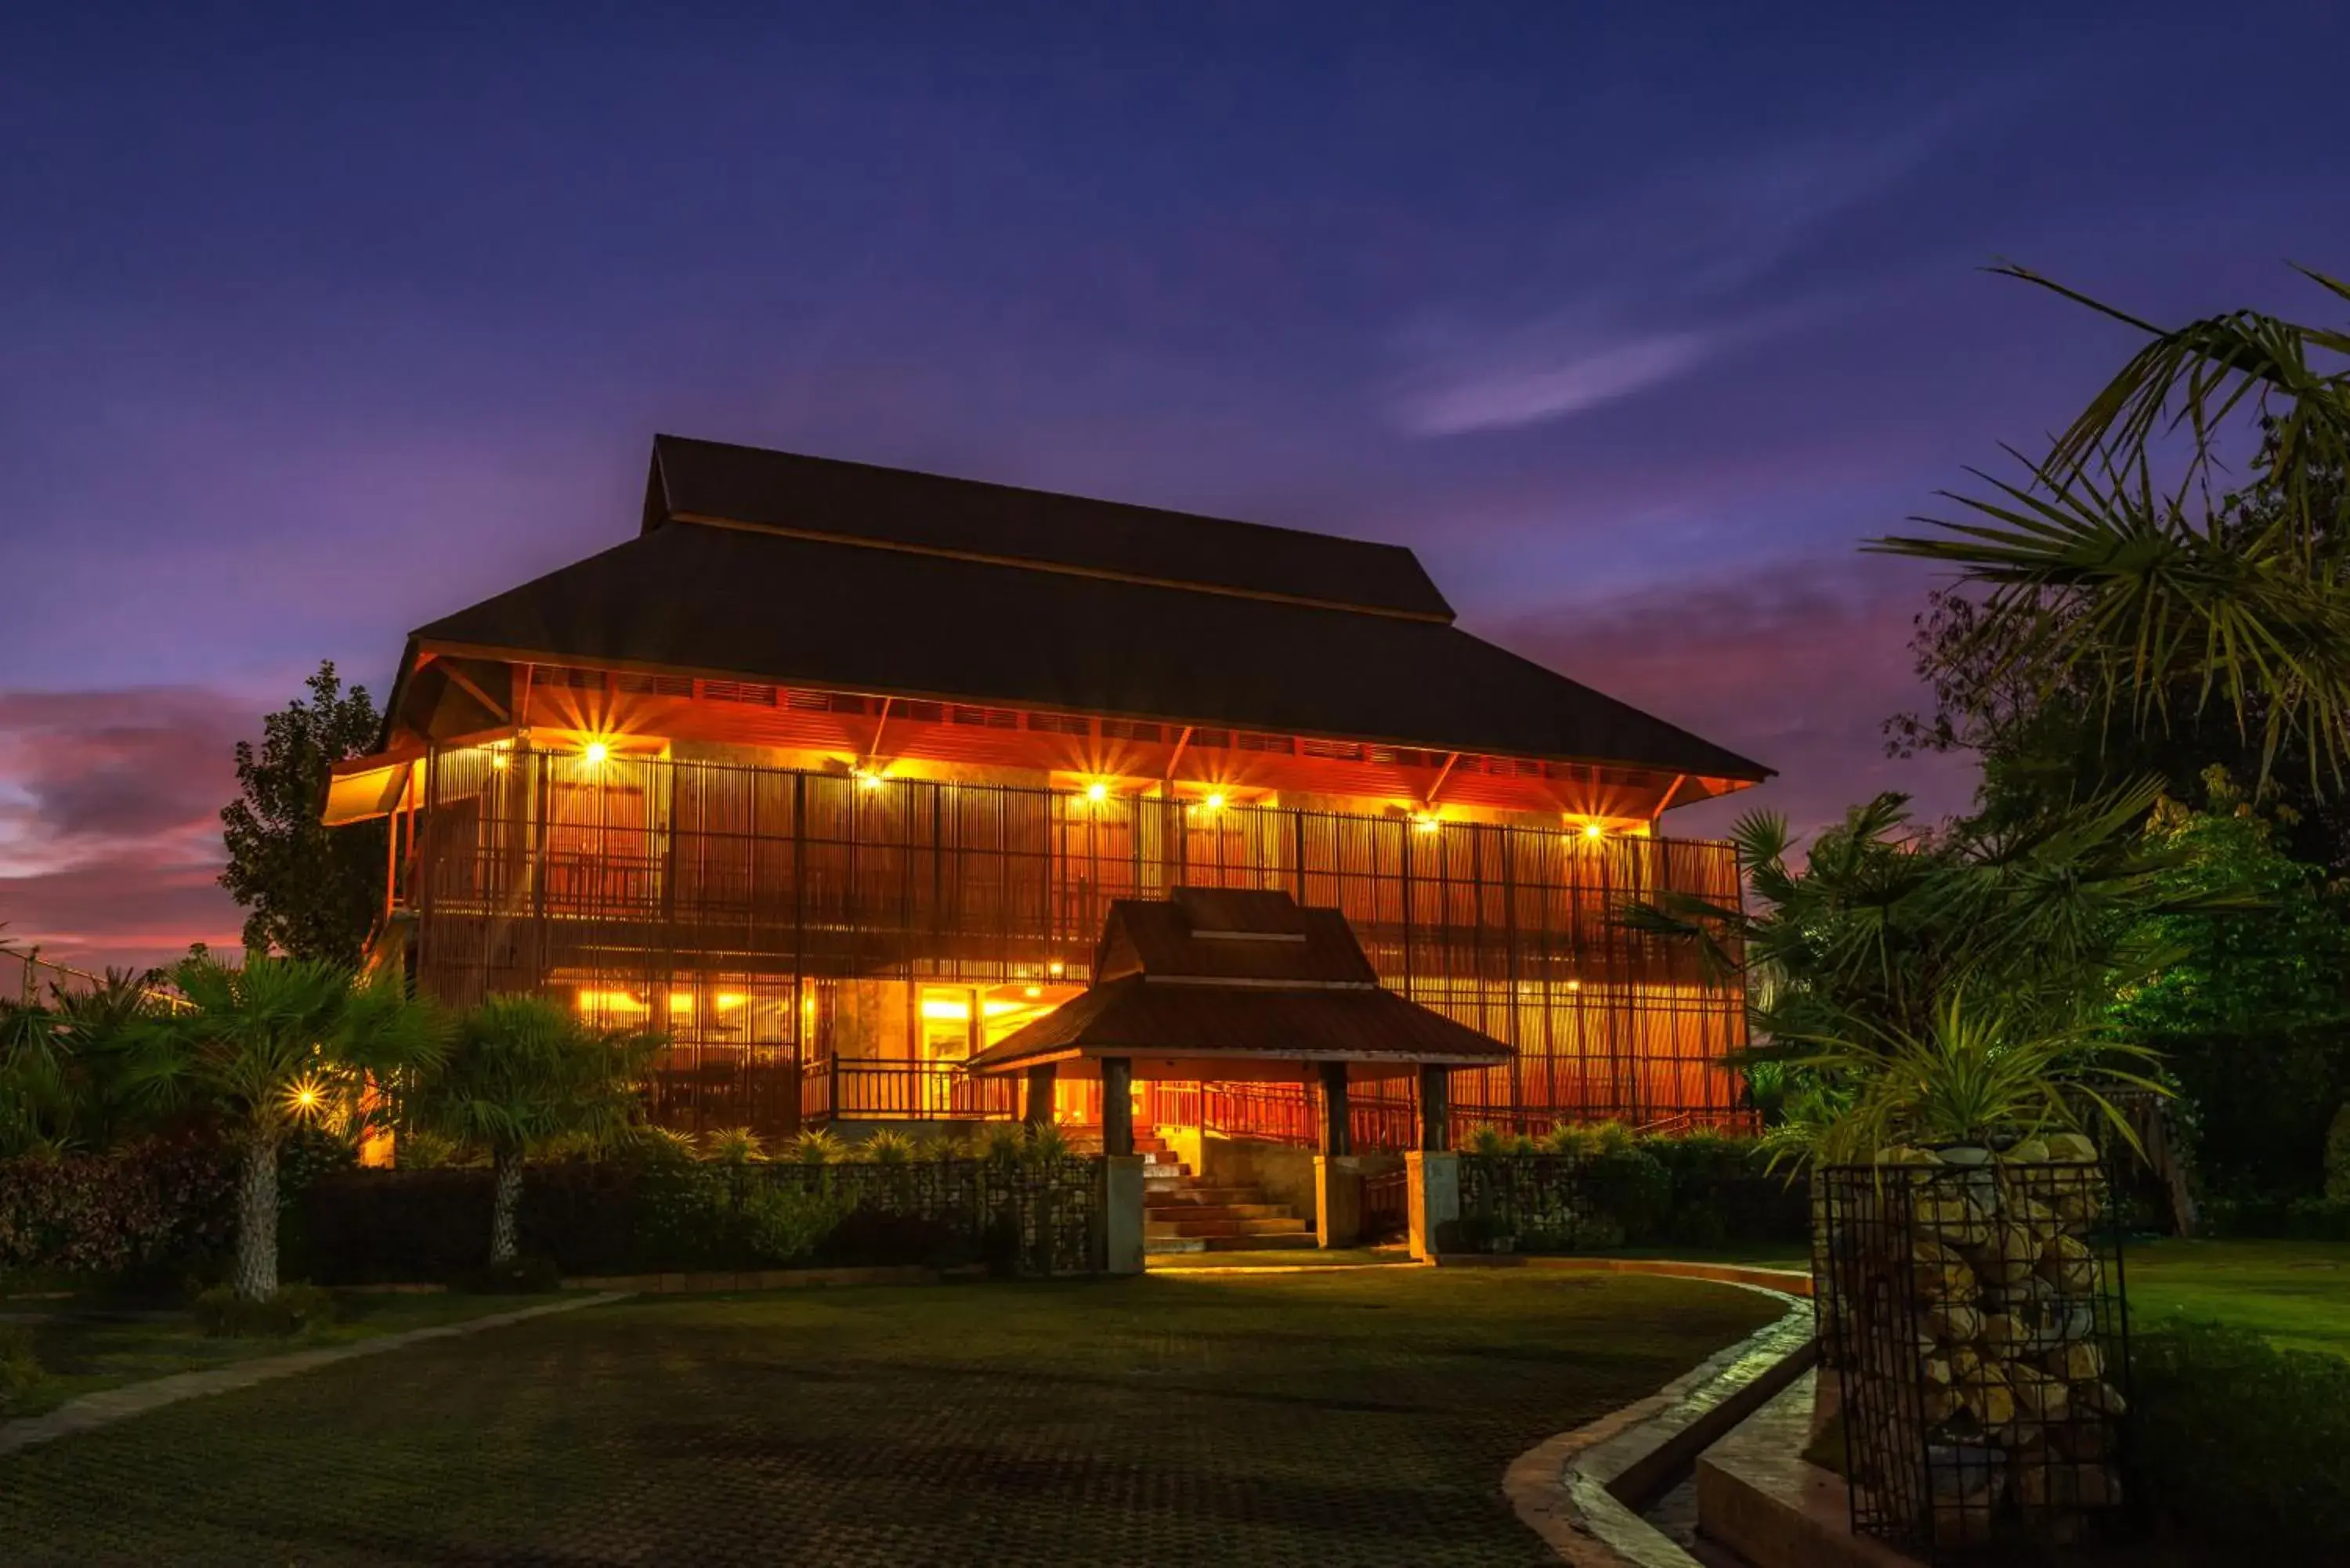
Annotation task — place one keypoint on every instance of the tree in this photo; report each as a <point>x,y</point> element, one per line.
<point>1855,960</point>
<point>524,1072</point>
<point>311,891</point>
<point>2157,597</point>
<point>273,1045</point>
<point>2252,1012</point>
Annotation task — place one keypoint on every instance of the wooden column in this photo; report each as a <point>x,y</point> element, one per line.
<point>1435,1109</point>
<point>1117,1105</point>
<point>1038,1112</point>
<point>1337,1134</point>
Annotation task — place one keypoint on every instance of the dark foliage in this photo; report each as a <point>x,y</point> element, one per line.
<point>1697,1192</point>
<point>2239,1443</point>
<point>525,1274</point>
<point>222,1313</point>
<point>147,1215</point>
<point>309,891</point>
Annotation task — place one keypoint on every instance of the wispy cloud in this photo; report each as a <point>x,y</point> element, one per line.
<point>110,819</point>
<point>1642,290</point>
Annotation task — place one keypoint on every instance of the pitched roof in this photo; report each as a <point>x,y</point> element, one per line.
<point>761,605</point>
<point>818,497</point>
<point>1207,978</point>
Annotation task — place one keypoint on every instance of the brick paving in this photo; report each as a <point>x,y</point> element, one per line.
<point>1322,1419</point>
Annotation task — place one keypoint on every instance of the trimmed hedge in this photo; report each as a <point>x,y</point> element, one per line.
<point>1699,1192</point>
<point>144,1214</point>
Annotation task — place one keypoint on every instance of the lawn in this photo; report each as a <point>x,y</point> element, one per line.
<point>2296,1292</point>
<point>85,1352</point>
<point>1361,1417</point>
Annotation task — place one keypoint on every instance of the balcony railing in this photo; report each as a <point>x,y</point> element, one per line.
<point>850,1090</point>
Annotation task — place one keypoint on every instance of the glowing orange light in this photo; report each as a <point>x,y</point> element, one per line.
<point>1032,993</point>
<point>867,779</point>
<point>1594,830</point>
<point>728,1000</point>
<point>1424,821</point>
<point>596,751</point>
<point>1215,803</point>
<point>1097,793</point>
<point>498,761</point>
<point>1574,985</point>
<point>1054,968</point>
<point>681,1002</point>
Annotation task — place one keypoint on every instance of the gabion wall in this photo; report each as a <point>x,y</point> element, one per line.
<point>1972,1310</point>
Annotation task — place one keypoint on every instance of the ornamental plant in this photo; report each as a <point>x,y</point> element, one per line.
<point>271,1045</point>
<point>522,1074</point>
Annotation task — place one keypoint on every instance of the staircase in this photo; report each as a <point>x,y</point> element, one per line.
<point>1180,1213</point>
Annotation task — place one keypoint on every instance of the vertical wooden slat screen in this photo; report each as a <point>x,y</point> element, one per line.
<point>722,903</point>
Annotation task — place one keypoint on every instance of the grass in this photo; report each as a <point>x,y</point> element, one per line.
<point>1282,1258</point>
<point>2295,1293</point>
<point>1358,1417</point>
<point>85,1354</point>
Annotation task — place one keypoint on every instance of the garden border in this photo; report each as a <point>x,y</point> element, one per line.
<point>1582,1490</point>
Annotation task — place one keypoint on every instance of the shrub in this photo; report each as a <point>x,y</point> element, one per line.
<point>731,1146</point>
<point>151,1210</point>
<point>817,1145</point>
<point>2239,1443</point>
<point>874,1238</point>
<point>525,1274</point>
<point>888,1146</point>
<point>781,1226</point>
<point>1000,1142</point>
<point>295,1309</point>
<point>20,1370</point>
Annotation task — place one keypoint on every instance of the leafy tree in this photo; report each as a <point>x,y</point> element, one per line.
<point>2252,1010</point>
<point>273,1045</point>
<point>2154,598</point>
<point>1857,958</point>
<point>524,1072</point>
<point>310,891</point>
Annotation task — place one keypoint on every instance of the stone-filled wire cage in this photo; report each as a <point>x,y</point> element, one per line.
<point>1973,1312</point>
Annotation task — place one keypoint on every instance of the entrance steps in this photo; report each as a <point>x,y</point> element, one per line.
<point>1181,1212</point>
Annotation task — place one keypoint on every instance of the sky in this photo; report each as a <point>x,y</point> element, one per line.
<point>320,322</point>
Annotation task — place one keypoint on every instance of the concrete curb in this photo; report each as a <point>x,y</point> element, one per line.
<point>111,1404</point>
<point>1582,1490</point>
<point>1759,1497</point>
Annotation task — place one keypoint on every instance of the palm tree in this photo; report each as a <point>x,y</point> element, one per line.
<point>524,1071</point>
<point>272,1044</point>
<point>62,1064</point>
<point>2155,592</point>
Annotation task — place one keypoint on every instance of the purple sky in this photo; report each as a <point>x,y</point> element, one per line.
<point>319,327</point>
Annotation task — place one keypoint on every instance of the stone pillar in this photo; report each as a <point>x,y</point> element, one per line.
<point>1435,1109</point>
<point>1122,1213</point>
<point>1337,1199</point>
<point>1338,1132</point>
<point>1038,1112</point>
<point>1434,1179</point>
<point>1117,1105</point>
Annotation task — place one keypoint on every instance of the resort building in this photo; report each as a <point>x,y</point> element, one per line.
<point>851,782</point>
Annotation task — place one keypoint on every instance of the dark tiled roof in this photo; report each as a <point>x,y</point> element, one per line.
<point>1206,1025</point>
<point>891,507</point>
<point>768,607</point>
<point>1227,934</point>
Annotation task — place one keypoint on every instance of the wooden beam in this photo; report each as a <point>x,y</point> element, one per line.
<point>1441,775</point>
<point>873,754</point>
<point>1175,756</point>
<point>1665,799</point>
<point>496,710</point>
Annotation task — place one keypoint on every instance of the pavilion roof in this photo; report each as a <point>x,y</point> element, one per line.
<point>1207,980</point>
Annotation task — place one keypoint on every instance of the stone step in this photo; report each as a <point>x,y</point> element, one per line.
<point>1282,1243</point>
<point>1192,1193</point>
<point>1184,1212</point>
<point>1284,1227</point>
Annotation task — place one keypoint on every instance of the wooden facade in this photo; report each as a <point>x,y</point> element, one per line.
<point>758,915</point>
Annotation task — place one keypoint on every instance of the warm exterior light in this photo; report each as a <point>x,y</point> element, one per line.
<point>1097,793</point>
<point>497,761</point>
<point>867,779</point>
<point>1574,985</point>
<point>728,1000</point>
<point>1423,820</point>
<point>595,752</point>
<point>617,1001</point>
<point>305,1097</point>
<point>1215,803</point>
<point>1054,968</point>
<point>946,1008</point>
<point>1594,830</point>
<point>681,1002</point>
<point>1034,991</point>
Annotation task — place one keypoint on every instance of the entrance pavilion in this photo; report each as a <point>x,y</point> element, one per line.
<point>1223,985</point>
